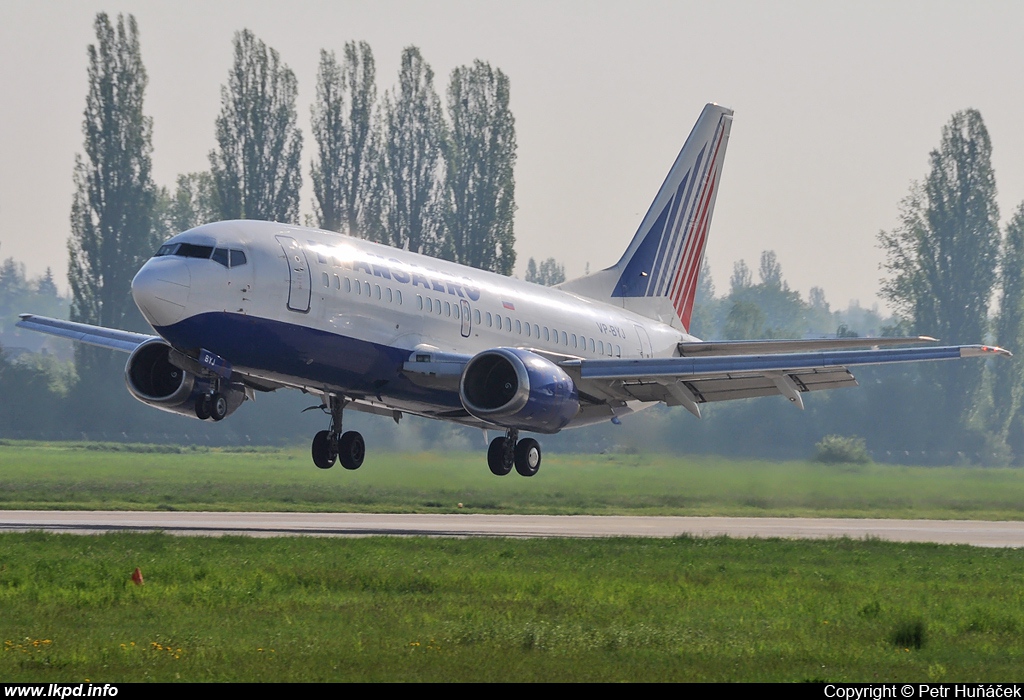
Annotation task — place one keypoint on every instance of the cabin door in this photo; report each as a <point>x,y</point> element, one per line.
<point>645,341</point>
<point>299,277</point>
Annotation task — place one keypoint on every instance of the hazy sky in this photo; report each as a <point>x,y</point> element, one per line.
<point>837,107</point>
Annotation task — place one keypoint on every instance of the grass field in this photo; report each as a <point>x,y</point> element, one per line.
<point>90,476</point>
<point>413,609</point>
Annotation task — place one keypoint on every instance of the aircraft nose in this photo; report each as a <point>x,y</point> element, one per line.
<point>160,290</point>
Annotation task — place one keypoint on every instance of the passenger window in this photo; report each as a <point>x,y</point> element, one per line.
<point>536,331</point>
<point>366,288</point>
<point>398,295</point>
<point>600,347</point>
<point>326,278</point>
<point>220,256</point>
<point>499,322</point>
<point>447,309</point>
<point>390,297</point>
<point>519,327</point>
<point>565,339</point>
<point>359,288</point>
<point>237,258</point>
<point>337,282</point>
<point>574,340</point>
<point>348,285</point>
<point>456,309</point>
<point>476,313</point>
<point>527,330</point>
<point>508,324</point>
<point>489,319</point>
<point>547,335</point>
<point>419,302</point>
<point>376,292</point>
<point>437,306</point>
<point>591,345</point>
<point>430,305</point>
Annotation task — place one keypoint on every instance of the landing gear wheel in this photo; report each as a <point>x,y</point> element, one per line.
<point>203,407</point>
<point>527,457</point>
<point>496,457</point>
<point>351,450</point>
<point>323,455</point>
<point>218,406</point>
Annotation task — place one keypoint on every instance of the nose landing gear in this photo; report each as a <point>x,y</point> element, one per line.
<point>333,445</point>
<point>507,452</point>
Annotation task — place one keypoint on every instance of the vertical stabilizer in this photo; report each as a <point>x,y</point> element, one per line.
<point>657,275</point>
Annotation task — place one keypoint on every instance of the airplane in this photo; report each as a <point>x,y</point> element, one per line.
<point>241,307</point>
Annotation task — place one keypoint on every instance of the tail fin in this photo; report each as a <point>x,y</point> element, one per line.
<point>657,275</point>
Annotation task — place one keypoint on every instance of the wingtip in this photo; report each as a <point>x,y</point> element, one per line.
<point>982,350</point>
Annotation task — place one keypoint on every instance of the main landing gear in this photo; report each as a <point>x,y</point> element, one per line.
<point>332,444</point>
<point>509,451</point>
<point>212,405</point>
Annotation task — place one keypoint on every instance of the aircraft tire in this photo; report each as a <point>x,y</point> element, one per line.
<point>496,457</point>
<point>351,450</point>
<point>203,407</point>
<point>218,407</point>
<point>323,457</point>
<point>527,457</point>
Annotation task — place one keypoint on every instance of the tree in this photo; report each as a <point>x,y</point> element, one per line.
<point>256,167</point>
<point>1008,380</point>
<point>112,209</point>
<point>480,155</point>
<point>548,273</point>
<point>741,278</point>
<point>411,164</point>
<point>194,202</point>
<point>941,263</point>
<point>345,178</point>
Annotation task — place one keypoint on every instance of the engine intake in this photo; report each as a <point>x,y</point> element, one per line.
<point>515,388</point>
<point>155,381</point>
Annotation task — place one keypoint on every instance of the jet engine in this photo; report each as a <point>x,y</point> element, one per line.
<point>156,382</point>
<point>518,389</point>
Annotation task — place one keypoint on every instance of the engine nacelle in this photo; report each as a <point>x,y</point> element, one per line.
<point>153,380</point>
<point>518,389</point>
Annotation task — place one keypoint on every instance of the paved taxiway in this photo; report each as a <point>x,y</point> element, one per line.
<point>972,532</point>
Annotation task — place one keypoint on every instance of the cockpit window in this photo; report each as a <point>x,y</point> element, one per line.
<point>191,250</point>
<point>224,256</point>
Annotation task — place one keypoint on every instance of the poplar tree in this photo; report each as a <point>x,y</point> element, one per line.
<point>1008,380</point>
<point>256,167</point>
<point>345,178</point>
<point>941,264</point>
<point>480,155</point>
<point>112,209</point>
<point>411,162</point>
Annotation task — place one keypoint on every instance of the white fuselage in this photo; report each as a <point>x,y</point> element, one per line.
<point>307,306</point>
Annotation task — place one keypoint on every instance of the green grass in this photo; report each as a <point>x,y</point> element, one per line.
<point>140,477</point>
<point>414,609</point>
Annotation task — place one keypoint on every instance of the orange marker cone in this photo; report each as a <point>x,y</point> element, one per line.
<point>137,576</point>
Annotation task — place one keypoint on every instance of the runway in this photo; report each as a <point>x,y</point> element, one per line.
<point>969,532</point>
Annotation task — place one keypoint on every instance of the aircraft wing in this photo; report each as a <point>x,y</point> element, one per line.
<point>125,341</point>
<point>691,381</point>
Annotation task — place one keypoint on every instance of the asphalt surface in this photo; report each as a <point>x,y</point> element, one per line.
<point>970,532</point>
